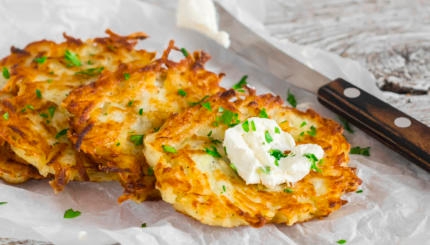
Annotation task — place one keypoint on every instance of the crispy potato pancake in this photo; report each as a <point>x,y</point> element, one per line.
<point>36,80</point>
<point>193,172</point>
<point>112,115</point>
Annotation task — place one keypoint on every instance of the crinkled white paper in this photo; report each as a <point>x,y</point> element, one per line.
<point>392,209</point>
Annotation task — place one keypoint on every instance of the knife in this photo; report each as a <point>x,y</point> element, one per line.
<point>397,130</point>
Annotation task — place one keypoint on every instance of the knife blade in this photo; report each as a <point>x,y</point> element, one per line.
<point>397,130</point>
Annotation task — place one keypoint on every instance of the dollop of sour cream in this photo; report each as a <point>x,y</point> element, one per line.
<point>263,153</point>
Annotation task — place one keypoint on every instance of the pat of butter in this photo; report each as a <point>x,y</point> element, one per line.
<point>200,15</point>
<point>257,148</point>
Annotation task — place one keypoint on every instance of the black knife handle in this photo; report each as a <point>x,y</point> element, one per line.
<point>392,127</point>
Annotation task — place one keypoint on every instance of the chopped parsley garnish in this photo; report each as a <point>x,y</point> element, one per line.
<point>312,131</point>
<point>288,190</point>
<point>213,152</point>
<point>150,171</point>
<point>126,76</point>
<point>141,111</point>
<point>245,126</point>
<point>229,118</point>
<point>303,124</point>
<point>346,125</point>
<point>6,116</point>
<point>291,99</point>
<point>268,137</point>
<point>313,159</point>
<point>365,151</point>
<point>3,203</point>
<point>184,52</point>
<point>51,111</point>
<point>169,149</point>
<point>61,133</point>
<point>207,105</point>
<point>359,191</point>
<point>72,59</point>
<point>263,113</point>
<point>40,60</point>
<point>242,83</point>
<point>38,94</point>
<point>277,154</point>
<point>253,126</point>
<point>182,92</point>
<point>6,73</point>
<point>91,71</point>
<point>137,139</point>
<point>341,241</point>
<point>70,213</point>
<point>277,130</point>
<point>143,225</point>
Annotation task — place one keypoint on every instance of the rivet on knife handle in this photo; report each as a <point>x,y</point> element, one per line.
<point>392,127</point>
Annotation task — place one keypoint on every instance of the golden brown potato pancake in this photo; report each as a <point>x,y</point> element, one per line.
<point>194,174</point>
<point>112,115</point>
<point>36,80</point>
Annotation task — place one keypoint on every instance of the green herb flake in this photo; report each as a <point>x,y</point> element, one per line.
<point>213,152</point>
<point>44,115</point>
<point>346,125</point>
<point>70,213</point>
<point>40,60</point>
<point>313,159</point>
<point>207,105</point>
<point>143,225</point>
<point>141,111</point>
<point>182,92</point>
<point>209,134</point>
<point>312,131</point>
<point>253,127</point>
<point>359,191</point>
<point>91,71</point>
<point>6,116</point>
<point>265,169</point>
<point>6,73</point>
<point>288,190</point>
<point>169,149</point>
<point>268,137</point>
<point>277,154</point>
<point>229,118</point>
<point>3,203</point>
<point>130,103</point>
<point>51,111</point>
<point>126,76</point>
<point>245,126</point>
<point>232,166</point>
<point>72,59</point>
<point>61,133</point>
<point>303,124</point>
<point>360,151</point>
<point>200,101</point>
<point>118,144</point>
<point>291,99</point>
<point>38,94</point>
<point>242,83</point>
<point>184,52</point>
<point>137,139</point>
<point>263,113</point>
<point>341,241</point>
<point>277,130</point>
<point>150,171</point>
<point>224,189</point>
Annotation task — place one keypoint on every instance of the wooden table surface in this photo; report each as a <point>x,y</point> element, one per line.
<point>390,38</point>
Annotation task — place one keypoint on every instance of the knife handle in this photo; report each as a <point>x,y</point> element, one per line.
<point>390,126</point>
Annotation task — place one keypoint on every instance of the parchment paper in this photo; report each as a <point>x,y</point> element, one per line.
<point>392,209</point>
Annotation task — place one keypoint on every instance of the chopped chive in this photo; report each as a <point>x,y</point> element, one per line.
<point>365,151</point>
<point>245,126</point>
<point>143,225</point>
<point>313,159</point>
<point>341,241</point>
<point>141,111</point>
<point>346,125</point>
<point>130,103</point>
<point>184,52</point>
<point>169,149</point>
<point>277,154</point>
<point>118,143</point>
<point>61,133</point>
<point>38,94</point>
<point>91,71</point>
<point>6,73</point>
<point>72,59</point>
<point>137,139</point>
<point>209,134</point>
<point>213,152</point>
<point>288,190</point>
<point>303,124</point>
<point>126,76</point>
<point>268,137</point>
<point>253,126</point>
<point>242,83</point>
<point>223,188</point>
<point>51,111</point>
<point>265,169</point>
<point>150,171</point>
<point>3,203</point>
<point>182,92</point>
<point>359,191</point>
<point>277,130</point>
<point>232,166</point>
<point>263,113</point>
<point>207,105</point>
<point>291,99</point>
<point>44,115</point>
<point>6,116</point>
<point>313,131</point>
<point>229,118</point>
<point>70,213</point>
<point>40,60</point>
<point>200,101</point>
